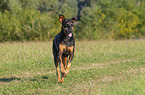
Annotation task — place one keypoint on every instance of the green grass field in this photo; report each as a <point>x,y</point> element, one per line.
<point>99,67</point>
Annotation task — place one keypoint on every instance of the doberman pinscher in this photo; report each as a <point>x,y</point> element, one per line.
<point>63,47</point>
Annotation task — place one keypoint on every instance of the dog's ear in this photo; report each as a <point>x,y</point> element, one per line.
<point>73,19</point>
<point>61,18</point>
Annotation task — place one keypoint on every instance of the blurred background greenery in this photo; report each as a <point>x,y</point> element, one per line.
<point>37,20</point>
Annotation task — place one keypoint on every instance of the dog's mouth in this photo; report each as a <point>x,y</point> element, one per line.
<point>70,34</point>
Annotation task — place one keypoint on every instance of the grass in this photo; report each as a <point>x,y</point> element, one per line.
<point>99,67</point>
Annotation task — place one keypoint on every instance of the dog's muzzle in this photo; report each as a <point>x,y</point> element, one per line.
<point>70,34</point>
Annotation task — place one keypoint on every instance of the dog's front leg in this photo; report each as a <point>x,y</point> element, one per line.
<point>69,64</point>
<point>61,63</point>
<point>70,59</point>
<point>62,66</point>
<point>61,49</point>
<point>65,62</point>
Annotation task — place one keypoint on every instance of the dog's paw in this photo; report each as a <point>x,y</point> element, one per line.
<point>63,71</point>
<point>59,80</point>
<point>66,72</point>
<point>64,75</point>
<point>62,79</point>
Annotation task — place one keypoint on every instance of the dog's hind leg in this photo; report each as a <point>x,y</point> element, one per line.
<point>65,62</point>
<point>61,49</point>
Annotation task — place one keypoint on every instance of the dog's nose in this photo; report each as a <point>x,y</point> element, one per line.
<point>71,30</point>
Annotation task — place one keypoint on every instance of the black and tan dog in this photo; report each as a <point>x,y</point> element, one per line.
<point>63,47</point>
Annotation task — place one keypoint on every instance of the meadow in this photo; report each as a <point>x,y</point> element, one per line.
<point>99,68</point>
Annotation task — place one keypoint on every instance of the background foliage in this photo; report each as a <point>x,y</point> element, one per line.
<point>26,20</point>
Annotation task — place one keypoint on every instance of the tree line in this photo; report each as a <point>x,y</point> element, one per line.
<point>37,20</point>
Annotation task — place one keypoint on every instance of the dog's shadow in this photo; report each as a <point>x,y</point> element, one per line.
<point>26,78</point>
<point>9,79</point>
<point>35,78</point>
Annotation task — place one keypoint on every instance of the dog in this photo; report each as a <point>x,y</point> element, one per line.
<point>64,47</point>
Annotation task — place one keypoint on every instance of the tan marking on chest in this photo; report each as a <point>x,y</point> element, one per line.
<point>70,48</point>
<point>64,48</point>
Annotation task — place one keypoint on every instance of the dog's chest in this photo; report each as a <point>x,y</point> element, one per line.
<point>68,42</point>
<point>66,53</point>
<point>66,48</point>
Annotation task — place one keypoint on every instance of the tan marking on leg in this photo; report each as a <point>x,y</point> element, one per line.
<point>68,66</point>
<point>61,49</point>
<point>57,71</point>
<point>70,57</point>
<point>59,79</point>
<point>62,78</point>
<point>70,48</point>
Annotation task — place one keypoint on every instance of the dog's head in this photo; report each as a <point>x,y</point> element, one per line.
<point>67,24</point>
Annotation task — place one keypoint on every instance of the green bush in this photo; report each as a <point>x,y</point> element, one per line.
<point>33,19</point>
<point>120,19</point>
<point>25,25</point>
<point>104,19</point>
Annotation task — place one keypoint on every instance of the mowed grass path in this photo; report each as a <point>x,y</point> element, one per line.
<point>99,67</point>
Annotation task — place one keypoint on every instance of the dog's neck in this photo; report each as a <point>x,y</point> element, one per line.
<point>65,39</point>
<point>62,32</point>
